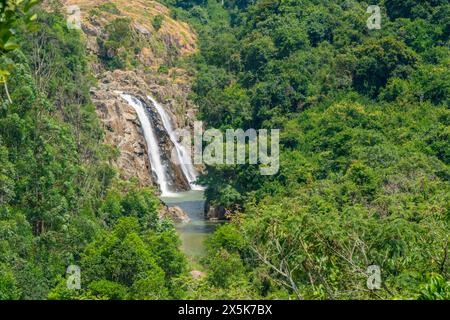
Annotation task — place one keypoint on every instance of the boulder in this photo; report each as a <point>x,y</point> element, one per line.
<point>176,214</point>
<point>142,29</point>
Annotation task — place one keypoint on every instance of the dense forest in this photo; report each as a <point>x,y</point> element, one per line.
<point>364,173</point>
<point>364,166</point>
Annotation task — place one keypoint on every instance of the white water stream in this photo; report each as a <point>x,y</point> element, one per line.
<point>154,153</point>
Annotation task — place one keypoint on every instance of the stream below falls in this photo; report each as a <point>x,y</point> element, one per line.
<point>194,233</point>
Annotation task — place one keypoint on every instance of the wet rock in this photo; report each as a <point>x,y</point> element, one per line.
<point>115,114</point>
<point>177,180</point>
<point>215,212</point>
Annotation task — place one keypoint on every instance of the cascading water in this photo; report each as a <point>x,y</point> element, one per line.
<point>184,157</point>
<point>154,153</point>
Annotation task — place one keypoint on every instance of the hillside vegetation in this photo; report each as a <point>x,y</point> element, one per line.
<point>138,34</point>
<point>364,174</point>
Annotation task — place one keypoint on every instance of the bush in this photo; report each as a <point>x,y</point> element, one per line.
<point>157,22</point>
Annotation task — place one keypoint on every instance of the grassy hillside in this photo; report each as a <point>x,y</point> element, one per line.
<point>134,35</point>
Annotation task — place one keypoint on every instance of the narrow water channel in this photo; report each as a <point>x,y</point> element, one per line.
<point>194,233</point>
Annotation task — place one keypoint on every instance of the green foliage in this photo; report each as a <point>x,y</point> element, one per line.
<point>412,8</point>
<point>436,289</point>
<point>224,269</point>
<point>157,22</point>
<point>164,69</point>
<point>12,13</point>
<point>8,285</point>
<point>108,290</point>
<point>124,258</point>
<point>379,60</point>
<point>186,3</point>
<point>115,51</point>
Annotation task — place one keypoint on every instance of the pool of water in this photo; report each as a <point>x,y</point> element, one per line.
<point>194,233</point>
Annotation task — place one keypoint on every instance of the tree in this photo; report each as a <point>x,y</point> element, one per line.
<point>379,60</point>
<point>11,13</point>
<point>411,8</point>
<point>124,258</point>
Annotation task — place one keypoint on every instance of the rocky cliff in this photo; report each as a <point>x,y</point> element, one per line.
<point>123,130</point>
<point>147,68</point>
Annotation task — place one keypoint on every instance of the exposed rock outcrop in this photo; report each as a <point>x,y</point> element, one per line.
<point>173,34</point>
<point>124,131</point>
<point>178,181</point>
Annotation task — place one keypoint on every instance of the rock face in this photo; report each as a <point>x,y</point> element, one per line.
<point>176,214</point>
<point>123,128</point>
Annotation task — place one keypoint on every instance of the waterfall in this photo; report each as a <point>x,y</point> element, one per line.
<point>154,153</point>
<point>183,155</point>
